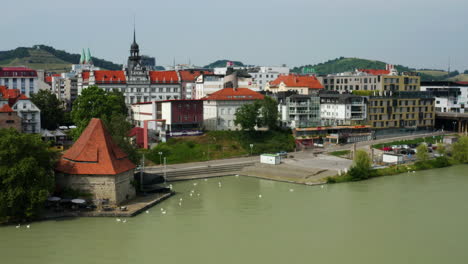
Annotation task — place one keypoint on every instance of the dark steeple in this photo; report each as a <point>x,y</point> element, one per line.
<point>135,58</point>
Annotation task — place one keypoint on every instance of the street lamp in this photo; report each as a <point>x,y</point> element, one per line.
<point>160,157</point>
<point>251,148</point>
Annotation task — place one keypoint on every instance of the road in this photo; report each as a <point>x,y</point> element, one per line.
<point>308,158</point>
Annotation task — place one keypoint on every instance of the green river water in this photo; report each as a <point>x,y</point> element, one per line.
<point>410,218</point>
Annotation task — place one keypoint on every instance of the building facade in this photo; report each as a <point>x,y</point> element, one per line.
<point>219,108</point>
<point>342,109</point>
<point>372,80</point>
<point>410,110</point>
<point>136,82</point>
<point>302,84</point>
<point>21,78</point>
<point>209,83</point>
<point>450,97</point>
<point>299,110</point>
<point>179,115</point>
<point>9,118</point>
<point>26,110</point>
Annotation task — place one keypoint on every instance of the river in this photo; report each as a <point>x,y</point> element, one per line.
<point>410,218</point>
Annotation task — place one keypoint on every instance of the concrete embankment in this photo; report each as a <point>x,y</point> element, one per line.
<point>288,173</point>
<point>206,171</point>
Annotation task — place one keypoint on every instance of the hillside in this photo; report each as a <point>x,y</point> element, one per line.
<point>343,64</point>
<point>222,63</point>
<point>47,58</point>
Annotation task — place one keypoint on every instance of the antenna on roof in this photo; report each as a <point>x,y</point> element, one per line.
<point>448,72</point>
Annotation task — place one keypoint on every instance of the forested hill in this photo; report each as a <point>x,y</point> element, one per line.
<point>48,58</point>
<point>222,63</point>
<point>343,64</point>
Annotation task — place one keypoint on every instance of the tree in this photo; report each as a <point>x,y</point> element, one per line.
<point>460,150</point>
<point>119,127</point>
<point>52,113</point>
<point>441,149</point>
<point>247,116</point>
<point>269,113</point>
<point>95,102</point>
<point>26,174</point>
<point>362,166</point>
<point>422,154</point>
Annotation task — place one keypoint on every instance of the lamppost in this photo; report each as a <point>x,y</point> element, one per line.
<point>165,169</point>
<point>251,149</point>
<point>142,167</point>
<point>160,157</point>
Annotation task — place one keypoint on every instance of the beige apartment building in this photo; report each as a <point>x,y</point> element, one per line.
<point>372,80</point>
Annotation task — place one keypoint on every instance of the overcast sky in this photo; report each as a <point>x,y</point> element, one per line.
<point>415,33</point>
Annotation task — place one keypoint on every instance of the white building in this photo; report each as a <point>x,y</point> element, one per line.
<point>21,78</point>
<point>450,97</point>
<point>209,83</point>
<point>29,113</point>
<point>219,108</point>
<point>265,74</point>
<point>342,109</point>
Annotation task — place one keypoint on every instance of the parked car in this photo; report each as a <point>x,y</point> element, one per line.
<point>282,154</point>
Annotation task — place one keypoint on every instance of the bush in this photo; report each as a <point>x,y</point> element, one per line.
<point>361,168</point>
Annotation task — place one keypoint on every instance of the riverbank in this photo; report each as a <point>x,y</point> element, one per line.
<point>133,207</point>
<point>437,163</point>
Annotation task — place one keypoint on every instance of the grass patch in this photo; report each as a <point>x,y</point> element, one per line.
<point>340,153</point>
<point>431,140</point>
<point>220,145</point>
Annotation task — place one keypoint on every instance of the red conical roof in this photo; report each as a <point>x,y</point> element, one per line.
<point>94,153</point>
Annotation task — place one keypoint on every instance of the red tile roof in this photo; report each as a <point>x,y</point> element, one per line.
<point>12,95</point>
<point>94,153</point>
<point>295,80</point>
<point>164,77</point>
<point>234,94</point>
<point>6,109</point>
<point>48,79</point>
<point>191,75</point>
<point>109,76</point>
<point>117,77</point>
<point>375,72</point>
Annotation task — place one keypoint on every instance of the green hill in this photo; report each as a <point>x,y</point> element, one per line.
<point>47,58</point>
<point>343,64</point>
<point>222,63</point>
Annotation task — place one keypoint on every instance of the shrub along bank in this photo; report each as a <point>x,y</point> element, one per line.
<point>361,170</point>
<point>220,145</point>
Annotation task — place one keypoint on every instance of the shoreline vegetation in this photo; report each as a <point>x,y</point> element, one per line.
<point>362,168</point>
<point>215,145</point>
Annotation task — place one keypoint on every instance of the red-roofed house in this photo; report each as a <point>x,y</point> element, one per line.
<point>21,78</point>
<point>219,108</point>
<point>9,118</point>
<point>188,82</point>
<point>303,84</point>
<point>95,164</point>
<point>27,111</point>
